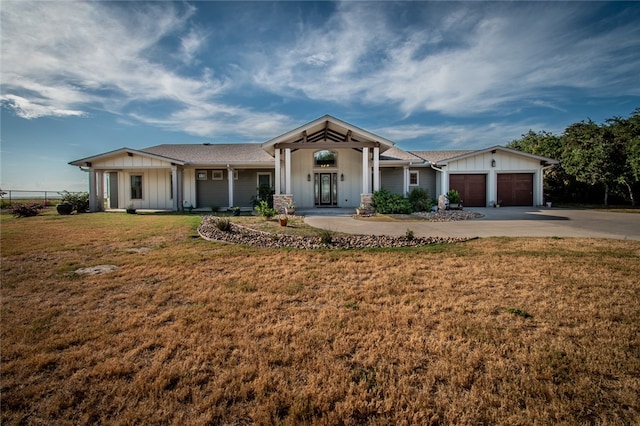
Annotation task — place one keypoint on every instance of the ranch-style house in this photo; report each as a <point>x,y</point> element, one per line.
<point>324,163</point>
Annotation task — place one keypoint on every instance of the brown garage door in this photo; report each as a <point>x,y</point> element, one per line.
<point>472,189</point>
<point>515,189</point>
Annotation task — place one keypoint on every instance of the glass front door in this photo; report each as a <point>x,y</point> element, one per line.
<point>326,189</point>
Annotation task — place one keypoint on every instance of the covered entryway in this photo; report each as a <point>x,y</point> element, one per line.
<point>515,189</point>
<point>472,188</point>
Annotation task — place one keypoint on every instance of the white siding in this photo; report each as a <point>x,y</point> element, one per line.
<point>156,189</point>
<point>126,162</point>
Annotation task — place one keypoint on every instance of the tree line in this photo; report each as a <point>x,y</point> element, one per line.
<point>599,163</point>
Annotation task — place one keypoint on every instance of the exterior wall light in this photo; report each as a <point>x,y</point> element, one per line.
<point>342,177</point>
<point>308,177</point>
<point>493,162</point>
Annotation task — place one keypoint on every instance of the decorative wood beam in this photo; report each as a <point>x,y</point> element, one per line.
<point>326,128</point>
<point>347,138</point>
<point>328,145</point>
<point>304,136</point>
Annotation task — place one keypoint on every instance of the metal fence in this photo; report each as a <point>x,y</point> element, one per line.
<point>10,196</point>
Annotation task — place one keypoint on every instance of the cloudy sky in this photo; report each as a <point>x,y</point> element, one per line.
<point>81,78</point>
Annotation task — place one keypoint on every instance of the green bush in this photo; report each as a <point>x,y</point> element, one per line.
<point>386,202</point>
<point>26,210</point>
<point>420,201</point>
<point>265,211</point>
<point>79,200</point>
<point>453,196</point>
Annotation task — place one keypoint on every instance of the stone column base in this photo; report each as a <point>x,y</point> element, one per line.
<point>366,200</point>
<point>281,201</point>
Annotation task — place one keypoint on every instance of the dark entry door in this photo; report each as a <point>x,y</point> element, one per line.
<point>113,190</point>
<point>326,189</point>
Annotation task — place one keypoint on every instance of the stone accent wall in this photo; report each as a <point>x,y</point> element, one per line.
<point>280,202</point>
<point>366,200</point>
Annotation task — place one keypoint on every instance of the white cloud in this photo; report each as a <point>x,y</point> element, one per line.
<point>99,55</point>
<point>456,136</point>
<point>463,60</point>
<point>26,109</point>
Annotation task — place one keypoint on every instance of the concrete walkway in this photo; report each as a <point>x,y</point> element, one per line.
<point>500,222</point>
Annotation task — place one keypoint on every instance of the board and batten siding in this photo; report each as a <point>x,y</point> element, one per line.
<point>156,189</point>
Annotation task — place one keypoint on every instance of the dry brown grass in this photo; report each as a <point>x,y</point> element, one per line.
<point>192,332</point>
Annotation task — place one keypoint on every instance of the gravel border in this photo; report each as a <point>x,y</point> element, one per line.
<point>243,235</point>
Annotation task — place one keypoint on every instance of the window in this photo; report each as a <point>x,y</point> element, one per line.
<point>325,158</point>
<point>413,178</point>
<point>217,175</point>
<point>201,175</point>
<point>235,175</point>
<point>136,187</point>
<point>264,180</point>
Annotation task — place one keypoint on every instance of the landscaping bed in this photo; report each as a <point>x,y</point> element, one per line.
<point>239,234</point>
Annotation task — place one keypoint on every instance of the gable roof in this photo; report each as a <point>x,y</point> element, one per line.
<point>327,129</point>
<point>86,161</point>
<point>467,154</point>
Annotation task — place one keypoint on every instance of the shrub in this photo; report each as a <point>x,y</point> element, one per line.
<point>26,210</point>
<point>453,196</point>
<point>386,202</point>
<point>419,199</point>
<point>326,236</point>
<point>265,211</point>
<point>223,224</point>
<point>79,200</point>
<point>409,235</point>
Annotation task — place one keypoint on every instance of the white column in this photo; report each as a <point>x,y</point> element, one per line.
<point>230,174</point>
<point>376,168</point>
<point>287,170</point>
<point>365,170</point>
<point>174,187</point>
<point>492,186</point>
<point>405,180</point>
<point>278,182</point>
<point>92,190</point>
<point>100,191</point>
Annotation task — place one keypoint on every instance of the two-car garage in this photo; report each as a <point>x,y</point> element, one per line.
<point>513,189</point>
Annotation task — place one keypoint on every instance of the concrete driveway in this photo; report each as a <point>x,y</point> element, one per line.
<point>500,222</point>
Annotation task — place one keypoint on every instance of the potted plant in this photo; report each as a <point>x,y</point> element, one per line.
<point>236,211</point>
<point>454,199</point>
<point>131,209</point>
<point>290,209</point>
<point>64,208</point>
<point>283,219</point>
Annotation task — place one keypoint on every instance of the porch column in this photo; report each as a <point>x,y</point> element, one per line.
<point>230,174</point>
<point>92,190</point>
<point>365,170</point>
<point>287,170</point>
<point>376,169</point>
<point>174,187</point>
<point>180,188</point>
<point>100,191</point>
<point>278,183</point>
<point>405,180</point>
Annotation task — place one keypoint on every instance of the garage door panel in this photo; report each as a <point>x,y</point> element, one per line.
<point>472,189</point>
<point>515,189</point>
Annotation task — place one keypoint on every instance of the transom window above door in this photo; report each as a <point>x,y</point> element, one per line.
<point>325,158</point>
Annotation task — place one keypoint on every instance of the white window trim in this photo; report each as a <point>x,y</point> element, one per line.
<point>264,174</point>
<point>199,172</point>
<point>235,175</point>
<point>142,191</point>
<point>217,175</point>
<point>417,173</point>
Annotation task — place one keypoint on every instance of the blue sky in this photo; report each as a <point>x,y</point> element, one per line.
<point>81,78</point>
